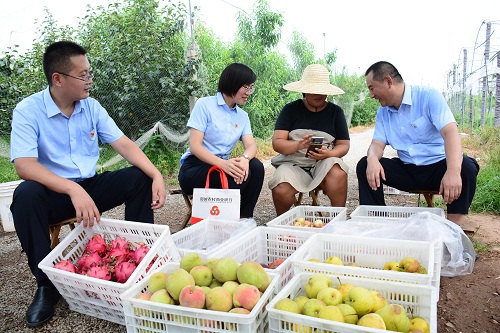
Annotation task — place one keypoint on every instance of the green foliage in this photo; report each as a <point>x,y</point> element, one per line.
<point>137,52</point>
<point>302,51</point>
<point>364,112</point>
<point>487,197</point>
<point>22,75</point>
<point>353,86</point>
<point>165,158</point>
<point>7,171</point>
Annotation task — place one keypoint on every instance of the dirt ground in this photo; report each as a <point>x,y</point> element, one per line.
<point>468,304</point>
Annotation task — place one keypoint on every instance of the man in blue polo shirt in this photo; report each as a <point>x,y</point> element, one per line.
<point>417,122</point>
<point>54,148</point>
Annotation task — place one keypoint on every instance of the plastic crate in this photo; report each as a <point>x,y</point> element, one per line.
<point>370,255</point>
<point>147,316</point>
<point>6,193</point>
<point>266,245</point>
<point>326,214</point>
<point>418,301</point>
<point>374,213</point>
<point>209,235</point>
<point>100,298</point>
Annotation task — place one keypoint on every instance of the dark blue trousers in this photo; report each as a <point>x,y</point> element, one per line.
<point>193,174</point>
<point>410,177</point>
<point>34,208</point>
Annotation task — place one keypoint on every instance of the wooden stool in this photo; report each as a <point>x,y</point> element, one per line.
<point>313,194</point>
<point>54,230</point>
<point>428,195</point>
<point>189,205</point>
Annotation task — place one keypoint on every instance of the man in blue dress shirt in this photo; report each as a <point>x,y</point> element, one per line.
<point>54,148</point>
<point>417,122</point>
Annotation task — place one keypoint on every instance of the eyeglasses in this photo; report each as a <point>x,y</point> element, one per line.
<point>84,79</point>
<point>249,89</point>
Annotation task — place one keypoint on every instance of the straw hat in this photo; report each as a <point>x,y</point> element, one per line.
<point>315,80</point>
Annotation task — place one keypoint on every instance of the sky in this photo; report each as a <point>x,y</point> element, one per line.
<point>423,39</point>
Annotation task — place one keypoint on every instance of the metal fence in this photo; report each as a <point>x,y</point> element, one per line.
<point>473,83</point>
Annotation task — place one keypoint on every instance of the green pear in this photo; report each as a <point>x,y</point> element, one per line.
<point>360,299</point>
<point>350,315</point>
<point>395,318</point>
<point>419,324</point>
<point>410,265</point>
<point>251,272</point>
<point>331,312</point>
<point>315,283</point>
<point>312,307</point>
<point>301,300</point>
<point>176,280</point>
<point>225,269</point>
<point>157,281</point>
<point>334,260</point>
<point>210,263</point>
<point>190,260</point>
<point>287,305</point>
<point>330,296</point>
<point>372,320</point>
<point>379,301</point>
<point>162,296</point>
<point>202,275</point>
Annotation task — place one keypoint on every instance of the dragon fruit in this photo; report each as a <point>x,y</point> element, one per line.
<point>140,253</point>
<point>100,272</point>
<point>120,242</point>
<point>88,260</point>
<point>96,244</point>
<point>66,265</point>
<point>123,270</point>
<point>116,255</point>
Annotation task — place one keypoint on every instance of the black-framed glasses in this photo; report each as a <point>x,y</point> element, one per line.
<point>84,79</point>
<point>249,89</point>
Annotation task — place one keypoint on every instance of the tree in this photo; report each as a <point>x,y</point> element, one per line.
<point>22,74</point>
<point>302,51</point>
<point>137,52</point>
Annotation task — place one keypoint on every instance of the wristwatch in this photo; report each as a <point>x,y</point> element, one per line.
<point>246,156</point>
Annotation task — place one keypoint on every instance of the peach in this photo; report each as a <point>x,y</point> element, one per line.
<point>246,296</point>
<point>192,297</point>
<point>219,299</point>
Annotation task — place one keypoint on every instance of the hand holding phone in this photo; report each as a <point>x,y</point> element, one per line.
<point>316,142</point>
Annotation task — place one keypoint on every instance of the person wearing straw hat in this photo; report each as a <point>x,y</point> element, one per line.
<point>297,168</point>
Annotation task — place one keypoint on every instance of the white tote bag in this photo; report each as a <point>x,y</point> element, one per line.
<point>223,204</point>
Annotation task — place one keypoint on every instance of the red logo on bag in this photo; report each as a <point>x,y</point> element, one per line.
<point>214,211</point>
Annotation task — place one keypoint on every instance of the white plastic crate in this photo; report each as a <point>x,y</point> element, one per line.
<point>375,213</point>
<point>100,298</point>
<point>418,300</point>
<point>266,245</point>
<point>6,193</point>
<point>326,214</point>
<point>147,316</point>
<point>209,235</point>
<point>370,255</point>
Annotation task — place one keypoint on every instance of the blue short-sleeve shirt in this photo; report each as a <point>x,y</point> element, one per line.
<point>414,129</point>
<point>222,126</point>
<point>66,146</point>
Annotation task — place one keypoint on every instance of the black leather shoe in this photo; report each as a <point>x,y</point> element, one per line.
<point>42,308</point>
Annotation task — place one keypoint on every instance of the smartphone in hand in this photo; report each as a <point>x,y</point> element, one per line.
<point>316,142</point>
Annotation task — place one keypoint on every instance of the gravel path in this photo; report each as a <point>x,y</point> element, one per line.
<point>18,285</point>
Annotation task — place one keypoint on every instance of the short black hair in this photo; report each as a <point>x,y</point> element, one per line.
<point>57,58</point>
<point>382,69</point>
<point>235,76</point>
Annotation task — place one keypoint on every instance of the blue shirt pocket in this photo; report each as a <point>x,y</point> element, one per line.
<point>422,129</point>
<point>89,142</point>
